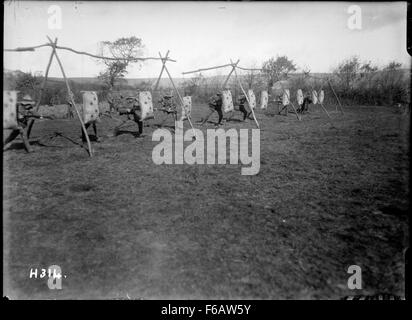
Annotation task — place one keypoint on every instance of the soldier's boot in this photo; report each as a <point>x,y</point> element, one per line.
<point>95,133</point>
<point>26,143</point>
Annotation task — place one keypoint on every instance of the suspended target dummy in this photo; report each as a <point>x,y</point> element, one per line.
<point>264,99</point>
<point>10,123</point>
<point>321,96</point>
<point>314,97</point>
<point>90,112</point>
<point>146,105</point>
<point>227,101</point>
<point>241,100</point>
<point>299,97</point>
<point>286,97</point>
<point>252,99</point>
<point>10,110</point>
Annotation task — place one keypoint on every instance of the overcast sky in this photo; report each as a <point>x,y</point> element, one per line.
<point>314,35</point>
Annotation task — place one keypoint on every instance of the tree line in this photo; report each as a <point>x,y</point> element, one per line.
<point>355,81</point>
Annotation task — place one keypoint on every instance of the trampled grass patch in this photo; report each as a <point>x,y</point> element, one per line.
<point>329,194</point>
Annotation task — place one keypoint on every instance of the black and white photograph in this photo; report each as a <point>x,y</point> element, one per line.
<point>205,150</point>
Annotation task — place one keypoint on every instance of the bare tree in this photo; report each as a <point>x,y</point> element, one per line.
<point>393,65</point>
<point>348,71</point>
<point>192,85</point>
<point>367,67</point>
<point>252,76</point>
<point>277,68</point>
<point>125,49</point>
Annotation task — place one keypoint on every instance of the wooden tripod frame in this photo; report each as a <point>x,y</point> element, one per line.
<point>164,68</point>
<point>53,44</point>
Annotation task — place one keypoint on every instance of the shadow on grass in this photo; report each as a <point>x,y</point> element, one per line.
<point>235,120</point>
<point>122,132</point>
<point>158,125</point>
<point>14,146</point>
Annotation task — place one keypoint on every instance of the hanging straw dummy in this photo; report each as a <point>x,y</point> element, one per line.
<point>90,112</point>
<point>187,108</point>
<point>264,99</point>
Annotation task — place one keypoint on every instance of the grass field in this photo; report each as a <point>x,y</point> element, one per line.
<point>329,194</point>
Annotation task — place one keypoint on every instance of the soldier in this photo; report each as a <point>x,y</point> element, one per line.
<point>215,104</point>
<point>127,106</point>
<point>136,112</point>
<point>90,116</point>
<point>305,105</point>
<point>132,110</point>
<point>168,106</point>
<point>25,113</point>
<point>242,101</point>
<point>87,125</point>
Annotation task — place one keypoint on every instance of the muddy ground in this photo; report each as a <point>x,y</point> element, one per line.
<point>329,194</point>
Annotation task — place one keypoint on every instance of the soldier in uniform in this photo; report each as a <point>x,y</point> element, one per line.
<point>137,115</point>
<point>25,113</point>
<point>168,106</point>
<point>215,104</point>
<point>126,106</point>
<point>242,101</point>
<point>70,108</point>
<point>133,112</point>
<point>304,107</point>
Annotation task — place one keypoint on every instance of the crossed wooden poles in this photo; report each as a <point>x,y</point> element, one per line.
<point>307,75</point>
<point>236,66</point>
<point>233,70</point>
<point>283,90</point>
<point>156,85</point>
<point>288,95</point>
<point>54,46</point>
<point>164,68</point>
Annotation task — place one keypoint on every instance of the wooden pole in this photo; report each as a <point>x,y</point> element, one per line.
<point>43,85</point>
<point>217,67</point>
<point>340,105</point>
<point>45,80</point>
<point>22,49</point>
<point>161,72</point>
<point>323,107</point>
<point>230,73</point>
<point>321,104</point>
<point>178,94</point>
<point>72,100</point>
<point>173,84</point>
<point>247,98</point>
